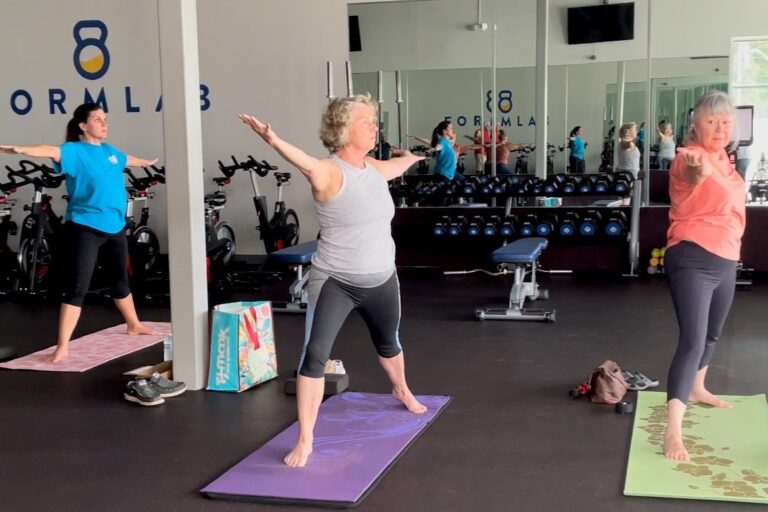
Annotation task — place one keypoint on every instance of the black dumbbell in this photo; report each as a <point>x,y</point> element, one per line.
<point>508,226</point>
<point>441,227</point>
<point>474,226</point>
<point>546,224</point>
<point>528,224</point>
<point>491,227</point>
<point>590,223</point>
<point>568,224</point>
<point>616,223</point>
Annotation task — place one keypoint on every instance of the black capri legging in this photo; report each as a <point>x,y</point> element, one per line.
<point>379,306</point>
<point>702,286</point>
<point>85,243</point>
<point>577,165</point>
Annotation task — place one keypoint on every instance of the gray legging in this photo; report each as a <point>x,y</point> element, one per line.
<point>702,286</point>
<point>331,301</point>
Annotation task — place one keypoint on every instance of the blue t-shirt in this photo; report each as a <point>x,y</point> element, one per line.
<point>577,147</point>
<point>94,178</point>
<point>445,159</point>
<point>641,135</point>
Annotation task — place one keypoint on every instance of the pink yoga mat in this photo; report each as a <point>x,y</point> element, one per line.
<point>91,350</point>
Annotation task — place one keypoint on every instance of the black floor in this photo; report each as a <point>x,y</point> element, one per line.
<point>510,441</point>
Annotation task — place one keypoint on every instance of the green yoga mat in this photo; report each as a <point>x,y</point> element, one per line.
<point>728,449</point>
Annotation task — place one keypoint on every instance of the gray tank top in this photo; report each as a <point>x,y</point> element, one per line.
<point>629,161</point>
<point>667,148</point>
<point>355,244</point>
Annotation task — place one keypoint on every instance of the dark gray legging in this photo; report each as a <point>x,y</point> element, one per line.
<point>702,286</point>
<point>379,306</point>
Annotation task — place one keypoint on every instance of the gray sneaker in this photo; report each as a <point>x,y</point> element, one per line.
<point>139,391</point>
<point>164,387</point>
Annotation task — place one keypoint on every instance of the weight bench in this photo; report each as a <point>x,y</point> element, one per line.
<point>518,256</point>
<point>300,256</point>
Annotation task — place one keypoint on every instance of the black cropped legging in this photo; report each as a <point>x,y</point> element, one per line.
<point>83,245</point>
<point>379,306</point>
<point>702,286</point>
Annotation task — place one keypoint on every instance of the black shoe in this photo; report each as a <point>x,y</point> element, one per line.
<point>142,393</point>
<point>164,387</point>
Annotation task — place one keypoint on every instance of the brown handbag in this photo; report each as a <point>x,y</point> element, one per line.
<point>607,384</point>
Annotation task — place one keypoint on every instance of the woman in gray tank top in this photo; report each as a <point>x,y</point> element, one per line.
<point>629,154</point>
<point>666,146</point>
<point>354,265</point>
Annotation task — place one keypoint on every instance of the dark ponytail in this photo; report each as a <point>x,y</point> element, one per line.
<point>575,131</point>
<point>79,116</point>
<point>438,132</point>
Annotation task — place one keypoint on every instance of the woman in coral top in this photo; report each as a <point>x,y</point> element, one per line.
<point>703,243</point>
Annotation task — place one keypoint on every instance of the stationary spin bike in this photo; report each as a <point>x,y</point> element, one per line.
<point>282,229</point>
<point>39,227</point>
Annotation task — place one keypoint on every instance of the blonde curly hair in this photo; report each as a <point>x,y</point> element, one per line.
<point>626,128</point>
<point>334,123</point>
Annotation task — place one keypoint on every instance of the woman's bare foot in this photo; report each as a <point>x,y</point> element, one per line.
<point>674,448</point>
<point>141,329</point>
<point>705,397</point>
<point>299,455</point>
<point>409,401</point>
<point>60,354</point>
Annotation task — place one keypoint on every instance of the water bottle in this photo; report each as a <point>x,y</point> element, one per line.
<point>168,348</point>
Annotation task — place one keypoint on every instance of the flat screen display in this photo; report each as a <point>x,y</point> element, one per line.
<point>601,23</point>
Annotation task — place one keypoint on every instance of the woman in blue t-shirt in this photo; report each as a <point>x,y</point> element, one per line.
<point>577,147</point>
<point>95,216</point>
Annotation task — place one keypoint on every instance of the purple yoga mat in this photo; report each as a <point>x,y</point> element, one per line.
<point>358,436</point>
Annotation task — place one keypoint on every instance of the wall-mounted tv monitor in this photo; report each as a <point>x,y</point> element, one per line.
<point>601,23</point>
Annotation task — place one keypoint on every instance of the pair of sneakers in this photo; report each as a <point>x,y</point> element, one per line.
<point>152,391</point>
<point>636,381</point>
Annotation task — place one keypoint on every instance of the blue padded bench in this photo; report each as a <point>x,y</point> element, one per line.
<point>300,256</point>
<point>519,256</point>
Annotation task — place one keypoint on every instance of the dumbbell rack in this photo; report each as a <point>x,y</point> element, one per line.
<point>471,232</point>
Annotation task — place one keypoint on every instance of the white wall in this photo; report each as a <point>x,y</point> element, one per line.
<point>434,34</point>
<point>251,58</point>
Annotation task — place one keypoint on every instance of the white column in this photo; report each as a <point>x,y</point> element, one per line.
<point>566,151</point>
<point>650,131</point>
<point>542,77</point>
<point>179,71</point>
<point>619,119</point>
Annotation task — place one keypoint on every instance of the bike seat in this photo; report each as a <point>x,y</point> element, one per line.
<point>283,177</point>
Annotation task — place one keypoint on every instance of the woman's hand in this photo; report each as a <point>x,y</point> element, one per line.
<point>263,130</point>
<point>11,150</point>
<point>696,163</point>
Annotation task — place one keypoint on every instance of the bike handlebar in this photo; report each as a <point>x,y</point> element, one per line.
<point>261,168</point>
<point>47,179</point>
<point>142,183</point>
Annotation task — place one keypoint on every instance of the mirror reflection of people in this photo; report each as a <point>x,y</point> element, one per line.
<point>577,147</point>
<point>666,145</point>
<point>641,138</point>
<point>95,217</point>
<point>629,153</point>
<point>354,265</point>
<point>743,158</point>
<point>503,148</point>
<point>446,151</point>
<point>383,149</point>
<point>707,219</point>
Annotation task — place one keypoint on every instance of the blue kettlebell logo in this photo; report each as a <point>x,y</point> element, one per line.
<point>91,55</point>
